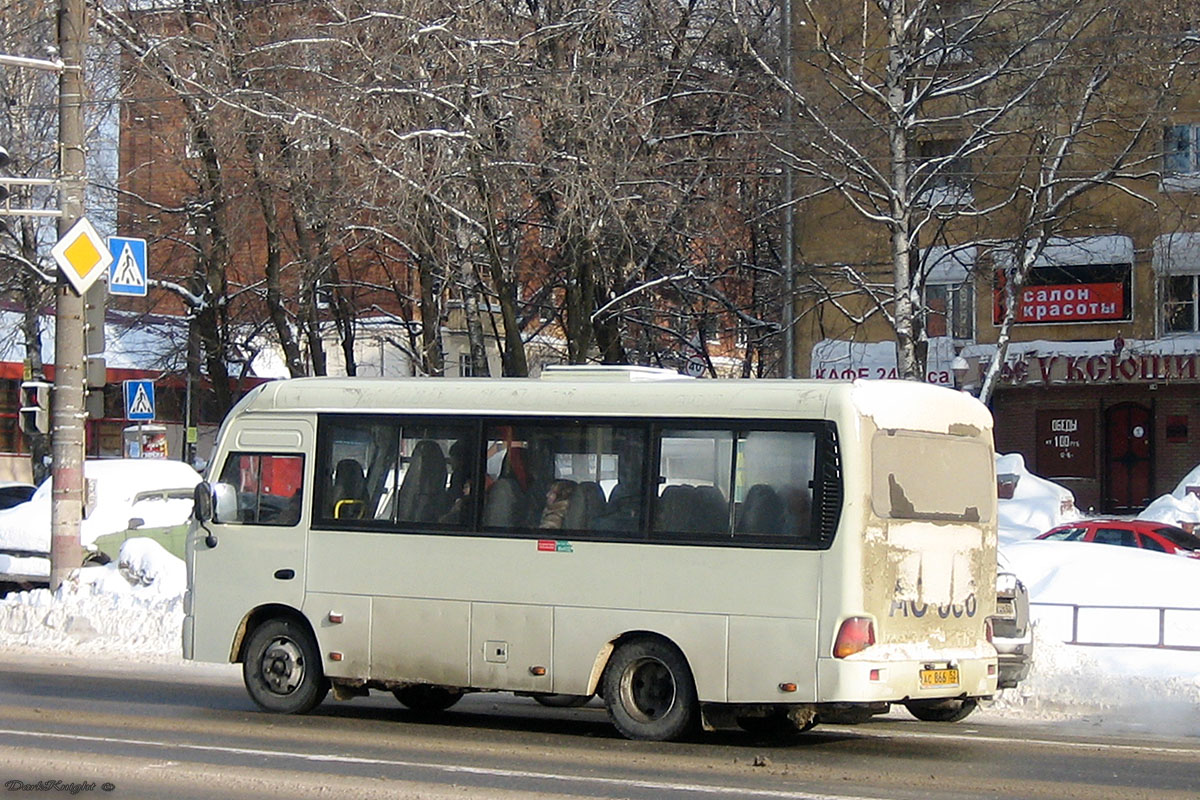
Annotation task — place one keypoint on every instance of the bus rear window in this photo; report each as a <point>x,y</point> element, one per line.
<point>926,476</point>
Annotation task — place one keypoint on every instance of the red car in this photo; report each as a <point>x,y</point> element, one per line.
<point>1145,534</point>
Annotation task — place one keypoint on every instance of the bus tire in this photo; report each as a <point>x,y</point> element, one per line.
<point>282,668</point>
<point>425,698</point>
<point>649,691</point>
<point>951,710</point>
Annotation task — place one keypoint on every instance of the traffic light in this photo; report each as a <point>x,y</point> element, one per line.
<point>95,375</point>
<point>35,407</point>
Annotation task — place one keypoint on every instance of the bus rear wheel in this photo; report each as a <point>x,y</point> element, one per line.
<point>282,668</point>
<point>649,691</point>
<point>951,710</point>
<point>426,699</point>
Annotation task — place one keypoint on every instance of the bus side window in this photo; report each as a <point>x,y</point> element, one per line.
<point>268,487</point>
<point>775,477</point>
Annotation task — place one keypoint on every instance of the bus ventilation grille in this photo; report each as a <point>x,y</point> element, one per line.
<point>831,487</point>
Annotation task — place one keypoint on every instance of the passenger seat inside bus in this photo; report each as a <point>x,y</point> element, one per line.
<point>505,504</point>
<point>349,490</point>
<point>762,511</point>
<point>422,496</point>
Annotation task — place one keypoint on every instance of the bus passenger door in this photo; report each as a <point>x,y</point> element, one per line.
<point>253,552</point>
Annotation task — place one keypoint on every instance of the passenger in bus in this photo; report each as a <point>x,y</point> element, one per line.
<point>623,510</point>
<point>539,461</point>
<point>558,498</point>
<point>586,508</point>
<point>458,492</point>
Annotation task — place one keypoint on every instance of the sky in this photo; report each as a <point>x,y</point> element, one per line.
<point>133,609</point>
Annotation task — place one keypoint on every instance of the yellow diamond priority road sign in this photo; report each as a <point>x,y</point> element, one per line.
<point>82,255</point>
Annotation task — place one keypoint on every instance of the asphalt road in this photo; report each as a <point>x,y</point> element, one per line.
<point>182,732</point>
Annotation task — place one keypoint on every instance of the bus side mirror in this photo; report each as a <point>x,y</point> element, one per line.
<point>202,502</point>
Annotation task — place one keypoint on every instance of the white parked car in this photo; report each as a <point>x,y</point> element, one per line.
<point>130,497</point>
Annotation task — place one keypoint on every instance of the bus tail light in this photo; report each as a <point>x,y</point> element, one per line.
<point>855,635</point>
<point>989,629</point>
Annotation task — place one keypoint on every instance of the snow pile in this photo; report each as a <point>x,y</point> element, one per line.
<point>1119,591</point>
<point>145,563</point>
<point>1036,505</point>
<point>1180,506</point>
<point>1103,574</point>
<point>1141,688</point>
<point>118,482</point>
<point>132,607</point>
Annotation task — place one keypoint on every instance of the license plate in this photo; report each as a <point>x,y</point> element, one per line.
<point>939,677</point>
<point>1005,608</point>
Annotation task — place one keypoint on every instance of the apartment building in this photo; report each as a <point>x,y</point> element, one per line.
<point>1097,358</point>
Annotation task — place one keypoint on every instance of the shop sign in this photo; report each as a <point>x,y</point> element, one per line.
<point>1066,443</point>
<point>1072,303</point>
<point>1102,369</point>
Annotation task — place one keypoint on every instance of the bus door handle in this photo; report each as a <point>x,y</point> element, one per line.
<point>285,574</point>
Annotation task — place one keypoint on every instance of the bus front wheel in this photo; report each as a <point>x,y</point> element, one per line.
<point>282,668</point>
<point>649,691</point>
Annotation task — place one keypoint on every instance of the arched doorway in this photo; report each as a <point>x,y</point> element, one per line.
<point>1129,457</point>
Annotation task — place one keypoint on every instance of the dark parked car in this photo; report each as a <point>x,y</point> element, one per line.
<point>1145,534</point>
<point>13,493</point>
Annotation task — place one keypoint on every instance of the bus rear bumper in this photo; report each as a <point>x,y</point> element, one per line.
<point>861,680</point>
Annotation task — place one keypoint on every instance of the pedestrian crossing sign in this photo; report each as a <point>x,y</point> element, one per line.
<point>128,273</point>
<point>139,400</point>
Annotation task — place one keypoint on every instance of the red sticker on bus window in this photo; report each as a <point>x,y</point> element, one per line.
<point>547,545</point>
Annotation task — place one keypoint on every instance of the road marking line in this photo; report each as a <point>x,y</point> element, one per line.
<point>735,791</point>
<point>958,737</point>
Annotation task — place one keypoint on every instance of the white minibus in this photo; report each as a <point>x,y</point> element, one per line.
<point>697,553</point>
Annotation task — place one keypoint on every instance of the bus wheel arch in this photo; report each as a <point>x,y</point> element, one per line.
<point>649,689</point>
<point>281,663</point>
<point>256,617</point>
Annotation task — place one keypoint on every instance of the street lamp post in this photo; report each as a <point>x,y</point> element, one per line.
<point>68,413</point>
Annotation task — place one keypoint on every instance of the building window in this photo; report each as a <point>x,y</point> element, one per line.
<point>942,173</point>
<point>1181,157</point>
<point>950,310</point>
<point>1179,304</point>
<point>1176,262</point>
<point>947,291</point>
<point>950,33</point>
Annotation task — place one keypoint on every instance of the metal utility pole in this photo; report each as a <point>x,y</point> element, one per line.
<point>68,414</point>
<point>789,212</point>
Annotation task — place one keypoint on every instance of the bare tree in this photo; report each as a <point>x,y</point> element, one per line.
<point>907,110</point>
